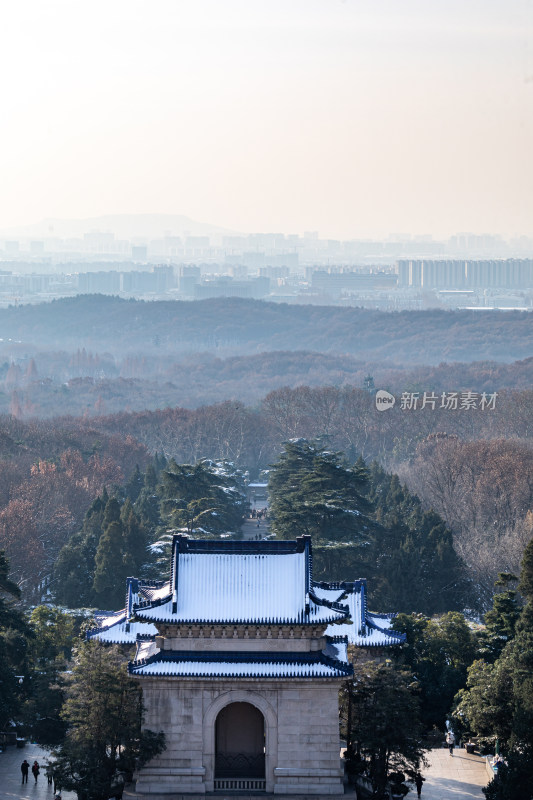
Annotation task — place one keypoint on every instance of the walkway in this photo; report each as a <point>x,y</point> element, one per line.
<point>11,787</point>
<point>457,777</point>
<point>447,778</point>
<point>255,529</point>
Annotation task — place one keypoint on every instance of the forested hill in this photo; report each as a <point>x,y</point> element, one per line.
<point>239,326</point>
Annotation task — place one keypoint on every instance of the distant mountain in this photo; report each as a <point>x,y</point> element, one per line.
<point>235,326</point>
<point>124,226</point>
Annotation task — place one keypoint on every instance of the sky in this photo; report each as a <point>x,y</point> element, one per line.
<point>352,118</point>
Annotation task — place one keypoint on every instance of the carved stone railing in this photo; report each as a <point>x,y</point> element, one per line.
<point>240,785</point>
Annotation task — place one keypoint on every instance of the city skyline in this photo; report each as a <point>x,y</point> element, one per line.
<point>348,118</point>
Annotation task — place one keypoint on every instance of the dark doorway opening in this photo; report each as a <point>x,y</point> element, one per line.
<point>240,742</point>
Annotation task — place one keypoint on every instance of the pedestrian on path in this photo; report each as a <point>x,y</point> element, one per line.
<point>419,780</point>
<point>49,772</point>
<point>450,741</point>
<point>35,770</point>
<point>24,768</point>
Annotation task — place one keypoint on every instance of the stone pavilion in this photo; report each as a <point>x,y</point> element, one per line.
<point>240,657</point>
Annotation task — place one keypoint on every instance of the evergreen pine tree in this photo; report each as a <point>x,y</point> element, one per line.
<point>160,462</point>
<point>75,564</point>
<point>49,650</point>
<point>314,492</point>
<point>111,512</point>
<point>109,574</point>
<point>384,721</point>
<point>412,560</point>
<point>147,504</point>
<point>13,647</point>
<point>135,538</point>
<point>73,574</point>
<point>200,500</point>
<point>438,651</point>
<point>525,584</point>
<point>498,700</point>
<point>151,477</point>
<point>134,485</point>
<point>104,713</point>
<point>500,621</point>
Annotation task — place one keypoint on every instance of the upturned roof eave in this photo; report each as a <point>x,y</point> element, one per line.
<point>176,620</point>
<point>279,666</point>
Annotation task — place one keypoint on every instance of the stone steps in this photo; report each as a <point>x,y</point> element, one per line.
<point>240,796</point>
<point>130,794</point>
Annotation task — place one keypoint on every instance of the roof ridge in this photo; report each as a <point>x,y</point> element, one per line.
<point>333,604</point>
<point>241,546</point>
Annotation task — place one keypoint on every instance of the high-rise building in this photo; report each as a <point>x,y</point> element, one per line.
<point>511,273</point>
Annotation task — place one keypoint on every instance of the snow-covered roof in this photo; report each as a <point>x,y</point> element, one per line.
<point>337,649</point>
<point>241,582</point>
<point>141,591</point>
<point>362,628</point>
<point>115,627</point>
<point>233,582</point>
<point>244,665</point>
<point>106,619</point>
<point>145,649</point>
<point>325,592</point>
<point>124,632</point>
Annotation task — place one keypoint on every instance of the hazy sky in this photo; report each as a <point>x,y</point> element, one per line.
<point>353,118</point>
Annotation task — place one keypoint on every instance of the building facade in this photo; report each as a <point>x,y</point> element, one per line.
<point>240,657</point>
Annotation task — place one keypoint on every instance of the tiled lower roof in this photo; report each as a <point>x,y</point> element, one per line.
<point>241,665</point>
<point>363,629</point>
<point>337,648</point>
<point>123,632</point>
<point>114,627</point>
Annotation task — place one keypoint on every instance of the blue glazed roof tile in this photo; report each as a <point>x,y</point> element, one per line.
<point>242,665</point>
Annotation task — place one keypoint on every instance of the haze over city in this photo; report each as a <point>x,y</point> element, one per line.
<point>352,118</point>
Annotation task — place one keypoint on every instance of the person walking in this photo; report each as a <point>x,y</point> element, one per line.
<point>49,772</point>
<point>450,741</point>
<point>35,770</point>
<point>24,768</point>
<point>419,780</point>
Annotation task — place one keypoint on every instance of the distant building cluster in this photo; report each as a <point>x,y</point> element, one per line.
<point>255,251</point>
<point>354,281</point>
<point>397,273</point>
<point>31,287</point>
<point>510,273</point>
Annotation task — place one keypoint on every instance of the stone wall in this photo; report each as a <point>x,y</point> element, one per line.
<point>301,733</point>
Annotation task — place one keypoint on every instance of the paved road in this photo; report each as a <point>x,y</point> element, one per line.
<point>11,787</point>
<point>457,777</point>
<point>254,529</point>
<point>448,778</point>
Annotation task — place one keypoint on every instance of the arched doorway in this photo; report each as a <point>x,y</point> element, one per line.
<point>240,743</point>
